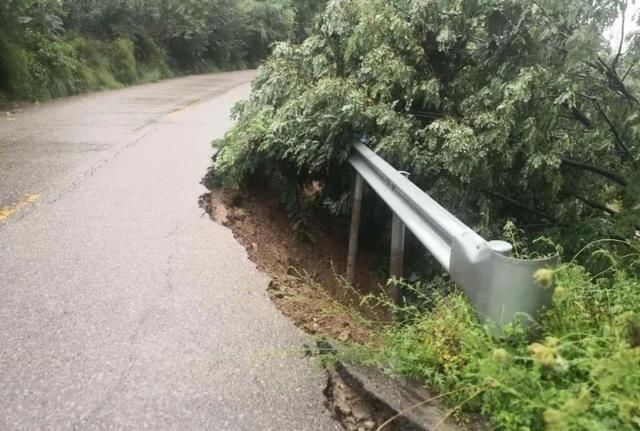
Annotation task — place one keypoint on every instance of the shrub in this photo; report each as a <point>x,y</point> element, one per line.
<point>14,69</point>
<point>151,59</point>
<point>96,68</point>
<point>580,372</point>
<point>123,61</point>
<point>54,67</point>
<point>501,110</point>
<point>137,41</point>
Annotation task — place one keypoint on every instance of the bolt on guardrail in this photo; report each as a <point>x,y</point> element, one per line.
<point>501,287</point>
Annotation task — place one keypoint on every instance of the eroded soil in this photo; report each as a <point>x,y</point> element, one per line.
<point>306,285</point>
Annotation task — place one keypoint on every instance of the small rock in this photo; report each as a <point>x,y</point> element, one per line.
<point>360,412</point>
<point>344,410</point>
<point>254,246</point>
<point>344,336</point>
<point>368,425</point>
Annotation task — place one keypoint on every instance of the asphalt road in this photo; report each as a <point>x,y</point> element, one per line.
<point>121,305</point>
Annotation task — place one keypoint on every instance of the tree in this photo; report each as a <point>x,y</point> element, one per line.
<point>56,47</point>
<point>500,109</point>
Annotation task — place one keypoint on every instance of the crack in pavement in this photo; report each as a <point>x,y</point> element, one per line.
<point>77,181</point>
<point>134,338</point>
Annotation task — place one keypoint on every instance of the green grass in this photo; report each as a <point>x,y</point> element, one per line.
<point>579,370</point>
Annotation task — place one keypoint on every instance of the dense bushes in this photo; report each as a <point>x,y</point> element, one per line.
<point>124,61</point>
<point>14,67</point>
<point>501,110</point>
<point>51,48</point>
<point>40,68</point>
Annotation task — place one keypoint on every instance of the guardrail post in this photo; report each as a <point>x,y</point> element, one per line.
<point>355,228</point>
<point>398,234</point>
<point>396,266</point>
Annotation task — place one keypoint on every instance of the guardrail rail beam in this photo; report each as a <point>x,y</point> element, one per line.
<point>501,287</point>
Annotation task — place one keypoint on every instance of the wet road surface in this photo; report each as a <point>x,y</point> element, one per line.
<point>121,305</point>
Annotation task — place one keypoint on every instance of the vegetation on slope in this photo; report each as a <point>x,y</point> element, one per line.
<point>501,110</point>
<point>51,48</point>
<point>581,370</point>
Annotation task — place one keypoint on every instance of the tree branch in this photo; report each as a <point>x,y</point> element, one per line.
<point>622,146</point>
<point>613,81</point>
<point>582,118</point>
<point>596,170</point>
<point>596,205</point>
<point>631,66</point>
<point>617,57</point>
<point>620,142</point>
<point>517,204</point>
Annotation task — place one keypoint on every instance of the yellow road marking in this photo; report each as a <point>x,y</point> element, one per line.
<point>27,200</point>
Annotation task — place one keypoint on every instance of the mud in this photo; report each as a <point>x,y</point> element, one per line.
<point>307,284</point>
<point>307,287</point>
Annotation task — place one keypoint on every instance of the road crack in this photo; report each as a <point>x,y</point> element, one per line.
<point>137,333</point>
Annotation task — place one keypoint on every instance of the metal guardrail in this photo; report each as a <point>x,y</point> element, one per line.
<point>501,288</point>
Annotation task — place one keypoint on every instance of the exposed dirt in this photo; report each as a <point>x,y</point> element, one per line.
<point>307,287</point>
<point>354,411</point>
<point>306,274</point>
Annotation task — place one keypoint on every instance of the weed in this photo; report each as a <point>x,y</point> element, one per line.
<point>581,371</point>
<point>123,61</point>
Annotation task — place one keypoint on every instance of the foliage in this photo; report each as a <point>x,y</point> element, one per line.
<point>195,33</point>
<point>270,22</point>
<point>52,48</point>
<point>499,109</point>
<point>53,66</point>
<point>306,13</point>
<point>580,372</point>
<point>14,66</point>
<point>124,61</point>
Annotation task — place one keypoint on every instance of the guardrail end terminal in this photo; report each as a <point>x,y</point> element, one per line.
<point>502,288</point>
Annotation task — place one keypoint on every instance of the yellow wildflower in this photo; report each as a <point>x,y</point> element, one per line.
<point>545,355</point>
<point>544,278</point>
<point>501,356</point>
